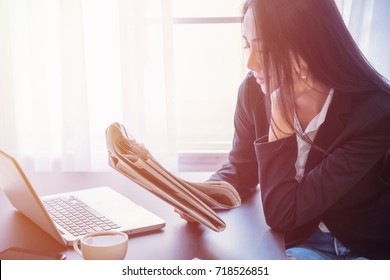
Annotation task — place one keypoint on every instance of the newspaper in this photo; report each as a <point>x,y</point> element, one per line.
<point>193,201</point>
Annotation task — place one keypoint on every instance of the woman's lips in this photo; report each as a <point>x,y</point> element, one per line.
<point>260,81</point>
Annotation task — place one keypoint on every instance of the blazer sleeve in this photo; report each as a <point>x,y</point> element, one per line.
<point>289,204</point>
<point>241,170</point>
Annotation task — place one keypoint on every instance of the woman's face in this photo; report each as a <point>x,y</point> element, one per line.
<point>254,46</point>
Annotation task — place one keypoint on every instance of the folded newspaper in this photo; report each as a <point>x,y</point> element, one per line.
<point>193,201</point>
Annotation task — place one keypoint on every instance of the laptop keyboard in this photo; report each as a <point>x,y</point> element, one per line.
<point>77,217</point>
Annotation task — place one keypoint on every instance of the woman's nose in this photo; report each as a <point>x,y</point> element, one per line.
<point>253,62</point>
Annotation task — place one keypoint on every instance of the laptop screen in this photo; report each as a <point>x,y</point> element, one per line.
<point>23,197</point>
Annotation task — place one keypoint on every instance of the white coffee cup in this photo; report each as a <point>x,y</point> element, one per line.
<point>107,245</point>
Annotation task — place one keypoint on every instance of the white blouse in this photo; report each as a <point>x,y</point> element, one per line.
<point>304,147</point>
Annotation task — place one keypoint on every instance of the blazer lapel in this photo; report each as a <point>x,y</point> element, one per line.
<point>331,128</point>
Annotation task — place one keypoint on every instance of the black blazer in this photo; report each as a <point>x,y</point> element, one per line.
<point>347,186</point>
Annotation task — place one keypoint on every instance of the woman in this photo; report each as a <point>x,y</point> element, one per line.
<point>318,139</point>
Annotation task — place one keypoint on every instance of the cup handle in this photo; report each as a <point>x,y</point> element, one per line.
<point>76,247</point>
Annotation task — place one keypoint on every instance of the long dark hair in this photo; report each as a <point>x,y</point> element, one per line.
<point>314,30</point>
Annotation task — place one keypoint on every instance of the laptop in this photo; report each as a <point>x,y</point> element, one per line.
<point>71,215</point>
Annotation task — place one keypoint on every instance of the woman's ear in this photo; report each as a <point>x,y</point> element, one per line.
<point>301,74</point>
<point>299,66</point>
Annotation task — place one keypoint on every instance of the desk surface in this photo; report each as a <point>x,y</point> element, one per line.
<point>246,236</point>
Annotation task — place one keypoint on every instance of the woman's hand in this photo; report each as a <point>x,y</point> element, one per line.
<point>279,126</point>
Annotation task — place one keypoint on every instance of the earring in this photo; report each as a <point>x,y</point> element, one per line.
<point>303,76</point>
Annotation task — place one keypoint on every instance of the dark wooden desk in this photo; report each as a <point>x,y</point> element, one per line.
<point>246,236</point>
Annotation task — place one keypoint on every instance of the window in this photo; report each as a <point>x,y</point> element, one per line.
<point>169,70</point>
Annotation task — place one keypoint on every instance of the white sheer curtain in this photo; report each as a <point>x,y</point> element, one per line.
<point>69,68</point>
<point>368,22</point>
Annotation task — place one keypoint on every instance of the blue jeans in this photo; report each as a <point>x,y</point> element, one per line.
<point>321,246</point>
